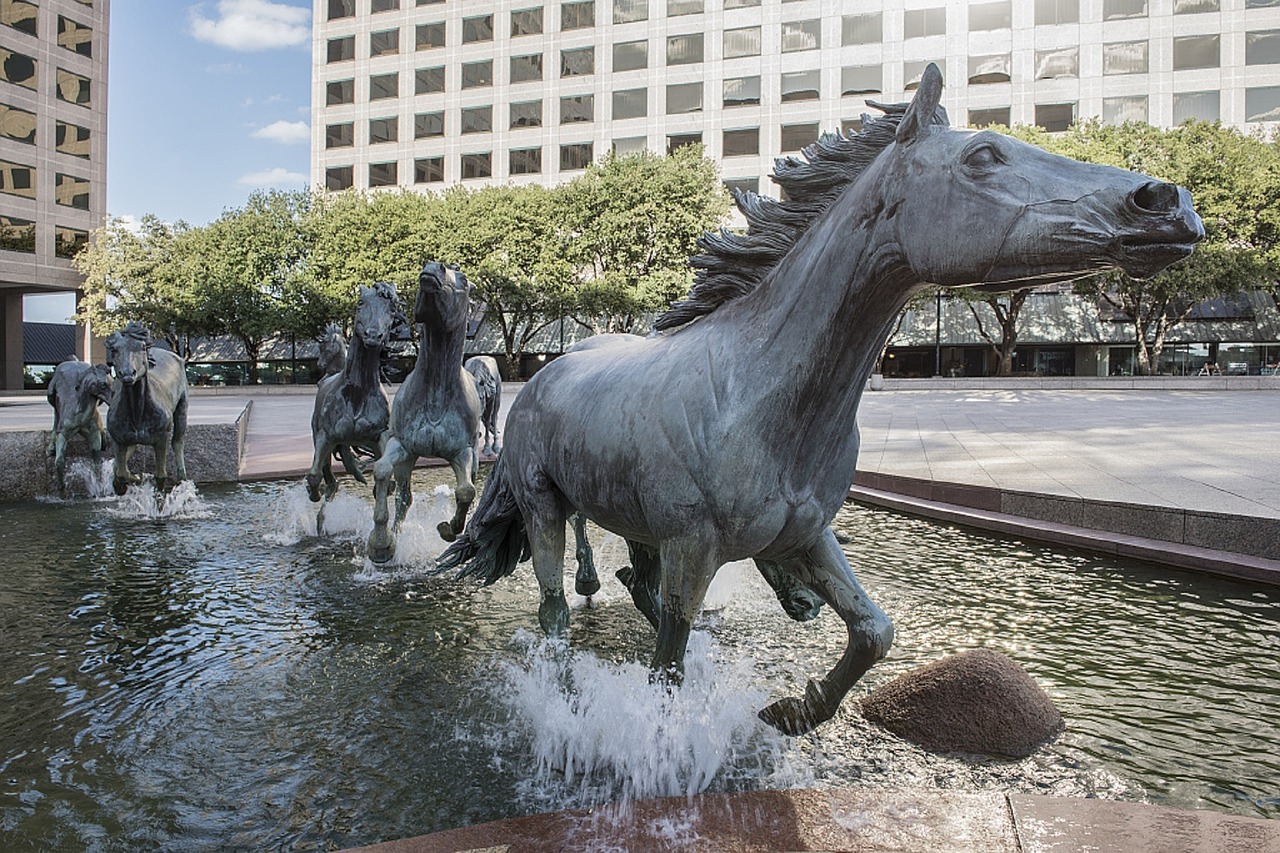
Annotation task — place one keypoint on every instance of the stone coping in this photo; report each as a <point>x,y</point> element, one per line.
<point>844,820</point>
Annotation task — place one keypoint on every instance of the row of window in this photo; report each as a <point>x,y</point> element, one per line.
<point>20,180</point>
<point>20,125</point>
<point>21,15</point>
<point>19,235</point>
<point>20,70</point>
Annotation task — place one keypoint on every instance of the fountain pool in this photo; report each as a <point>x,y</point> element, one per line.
<point>224,678</point>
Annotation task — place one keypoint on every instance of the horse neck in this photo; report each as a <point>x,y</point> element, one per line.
<point>361,368</point>
<point>440,354</point>
<point>135,396</point>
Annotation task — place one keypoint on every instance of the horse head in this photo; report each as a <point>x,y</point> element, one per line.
<point>97,383</point>
<point>129,352</point>
<point>444,296</point>
<point>378,314</point>
<point>1029,216</point>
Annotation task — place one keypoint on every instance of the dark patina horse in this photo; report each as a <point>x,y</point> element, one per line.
<point>148,405</point>
<point>333,350</point>
<point>75,391</point>
<point>351,410</point>
<point>735,436</point>
<point>436,411</point>
<point>488,380</point>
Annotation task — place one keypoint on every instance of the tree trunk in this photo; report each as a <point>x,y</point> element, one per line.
<point>252,351</point>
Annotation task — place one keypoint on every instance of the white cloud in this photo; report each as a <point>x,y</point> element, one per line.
<point>285,132</point>
<point>252,25</point>
<point>277,177</point>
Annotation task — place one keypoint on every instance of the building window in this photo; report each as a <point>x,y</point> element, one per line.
<point>382,174</point>
<point>342,9</point>
<point>628,103</point>
<point>1260,4</point>
<point>741,92</point>
<point>1113,10</point>
<point>383,86</point>
<point>428,36</point>
<point>1205,106</point>
<point>850,125</point>
<point>1124,57</point>
<point>919,23</point>
<point>428,170</point>
<point>17,179</point>
<point>477,165</point>
<point>525,68</point>
<point>990,69</point>
<point>1262,103</point>
<point>684,98</point>
<point>577,108</point>
<point>340,92</point>
<point>912,74</point>
<point>384,6</point>
<point>526,114</point>
<point>990,16</point>
<point>526,22</point>
<point>862,29</point>
<point>676,141</point>
<point>742,42</point>
<point>989,116</point>
<point>742,143</point>
<point>427,125</point>
<point>1128,108</point>
<point>477,74</point>
<point>18,124</point>
<point>75,37</point>
<point>477,119</point>
<point>384,130</point>
<point>1050,12</point>
<point>742,185</point>
<point>1195,52</point>
<point>577,16</point>
<point>630,144</point>
<point>575,156</point>
<point>797,136</point>
<point>67,242</point>
<point>428,2</point>
<point>70,191</point>
<point>1055,118</point>
<point>1061,62</point>
<point>17,68</point>
<point>683,7</point>
<point>801,86</point>
<point>630,55</point>
<point>578,62</point>
<point>73,88</point>
<point>339,178</point>
<point>1192,7</point>
<point>860,80</point>
<point>801,35</point>
<point>524,161</point>
<point>685,49</point>
<point>17,235</point>
<point>630,11</point>
<point>384,43</point>
<point>1262,47</point>
<point>428,80</point>
<point>19,14</point>
<point>340,135</point>
<point>477,29</point>
<point>741,4</point>
<point>343,49</point>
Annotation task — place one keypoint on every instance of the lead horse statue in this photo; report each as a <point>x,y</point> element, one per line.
<point>734,433</point>
<point>436,411</point>
<point>75,391</point>
<point>148,405</point>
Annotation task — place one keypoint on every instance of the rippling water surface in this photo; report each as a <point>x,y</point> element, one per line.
<point>212,674</point>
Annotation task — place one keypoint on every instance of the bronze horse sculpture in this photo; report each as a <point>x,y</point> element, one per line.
<point>352,411</point>
<point>148,405</point>
<point>484,369</point>
<point>333,350</point>
<point>733,433</point>
<point>436,411</point>
<point>75,391</point>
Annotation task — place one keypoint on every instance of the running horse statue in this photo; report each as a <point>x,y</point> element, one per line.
<point>75,391</point>
<point>352,411</point>
<point>148,405</point>
<point>436,411</point>
<point>333,350</point>
<point>733,433</point>
<point>484,369</point>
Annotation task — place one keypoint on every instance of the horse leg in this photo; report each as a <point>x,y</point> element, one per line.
<point>60,461</point>
<point>825,569</point>
<point>404,490</point>
<point>585,582</point>
<point>180,438</point>
<point>799,602</point>
<point>688,566</point>
<point>120,476</point>
<point>161,448</point>
<point>464,473</point>
<point>382,541</point>
<point>545,518</point>
<point>319,459</point>
<point>642,579</point>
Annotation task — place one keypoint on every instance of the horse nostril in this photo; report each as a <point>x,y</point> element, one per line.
<point>1156,197</point>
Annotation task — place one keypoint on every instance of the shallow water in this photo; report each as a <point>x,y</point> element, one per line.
<point>214,675</point>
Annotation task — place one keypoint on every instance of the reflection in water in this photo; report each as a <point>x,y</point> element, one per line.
<point>223,677</point>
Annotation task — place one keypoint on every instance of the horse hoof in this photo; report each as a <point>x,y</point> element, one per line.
<point>586,587</point>
<point>119,486</point>
<point>381,548</point>
<point>789,716</point>
<point>553,616</point>
<point>445,529</point>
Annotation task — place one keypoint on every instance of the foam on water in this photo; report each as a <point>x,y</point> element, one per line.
<point>143,501</point>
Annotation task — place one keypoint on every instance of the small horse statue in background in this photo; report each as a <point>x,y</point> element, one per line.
<point>351,409</point>
<point>733,433</point>
<point>75,391</point>
<point>436,411</point>
<point>333,350</point>
<point>489,386</point>
<point>148,405</point>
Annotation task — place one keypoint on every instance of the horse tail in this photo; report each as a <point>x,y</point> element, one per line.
<point>350,462</point>
<point>495,539</point>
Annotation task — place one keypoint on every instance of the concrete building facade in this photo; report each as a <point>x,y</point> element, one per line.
<point>53,153</point>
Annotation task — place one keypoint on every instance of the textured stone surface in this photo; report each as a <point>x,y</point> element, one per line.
<point>978,701</point>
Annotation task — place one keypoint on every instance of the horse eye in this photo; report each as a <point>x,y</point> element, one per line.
<point>982,157</point>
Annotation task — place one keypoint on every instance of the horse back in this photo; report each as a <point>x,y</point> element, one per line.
<point>167,378</point>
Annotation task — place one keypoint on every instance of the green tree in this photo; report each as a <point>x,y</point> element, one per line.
<point>1002,336</point>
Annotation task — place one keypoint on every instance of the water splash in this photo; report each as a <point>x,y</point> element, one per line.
<point>293,517</point>
<point>143,501</point>
<point>83,478</point>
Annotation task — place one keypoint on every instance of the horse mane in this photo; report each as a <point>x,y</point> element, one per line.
<point>732,265</point>
<point>136,331</point>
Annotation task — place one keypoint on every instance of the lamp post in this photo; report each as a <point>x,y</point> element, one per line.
<point>937,333</point>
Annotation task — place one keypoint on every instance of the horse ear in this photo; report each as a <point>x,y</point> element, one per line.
<point>920,114</point>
